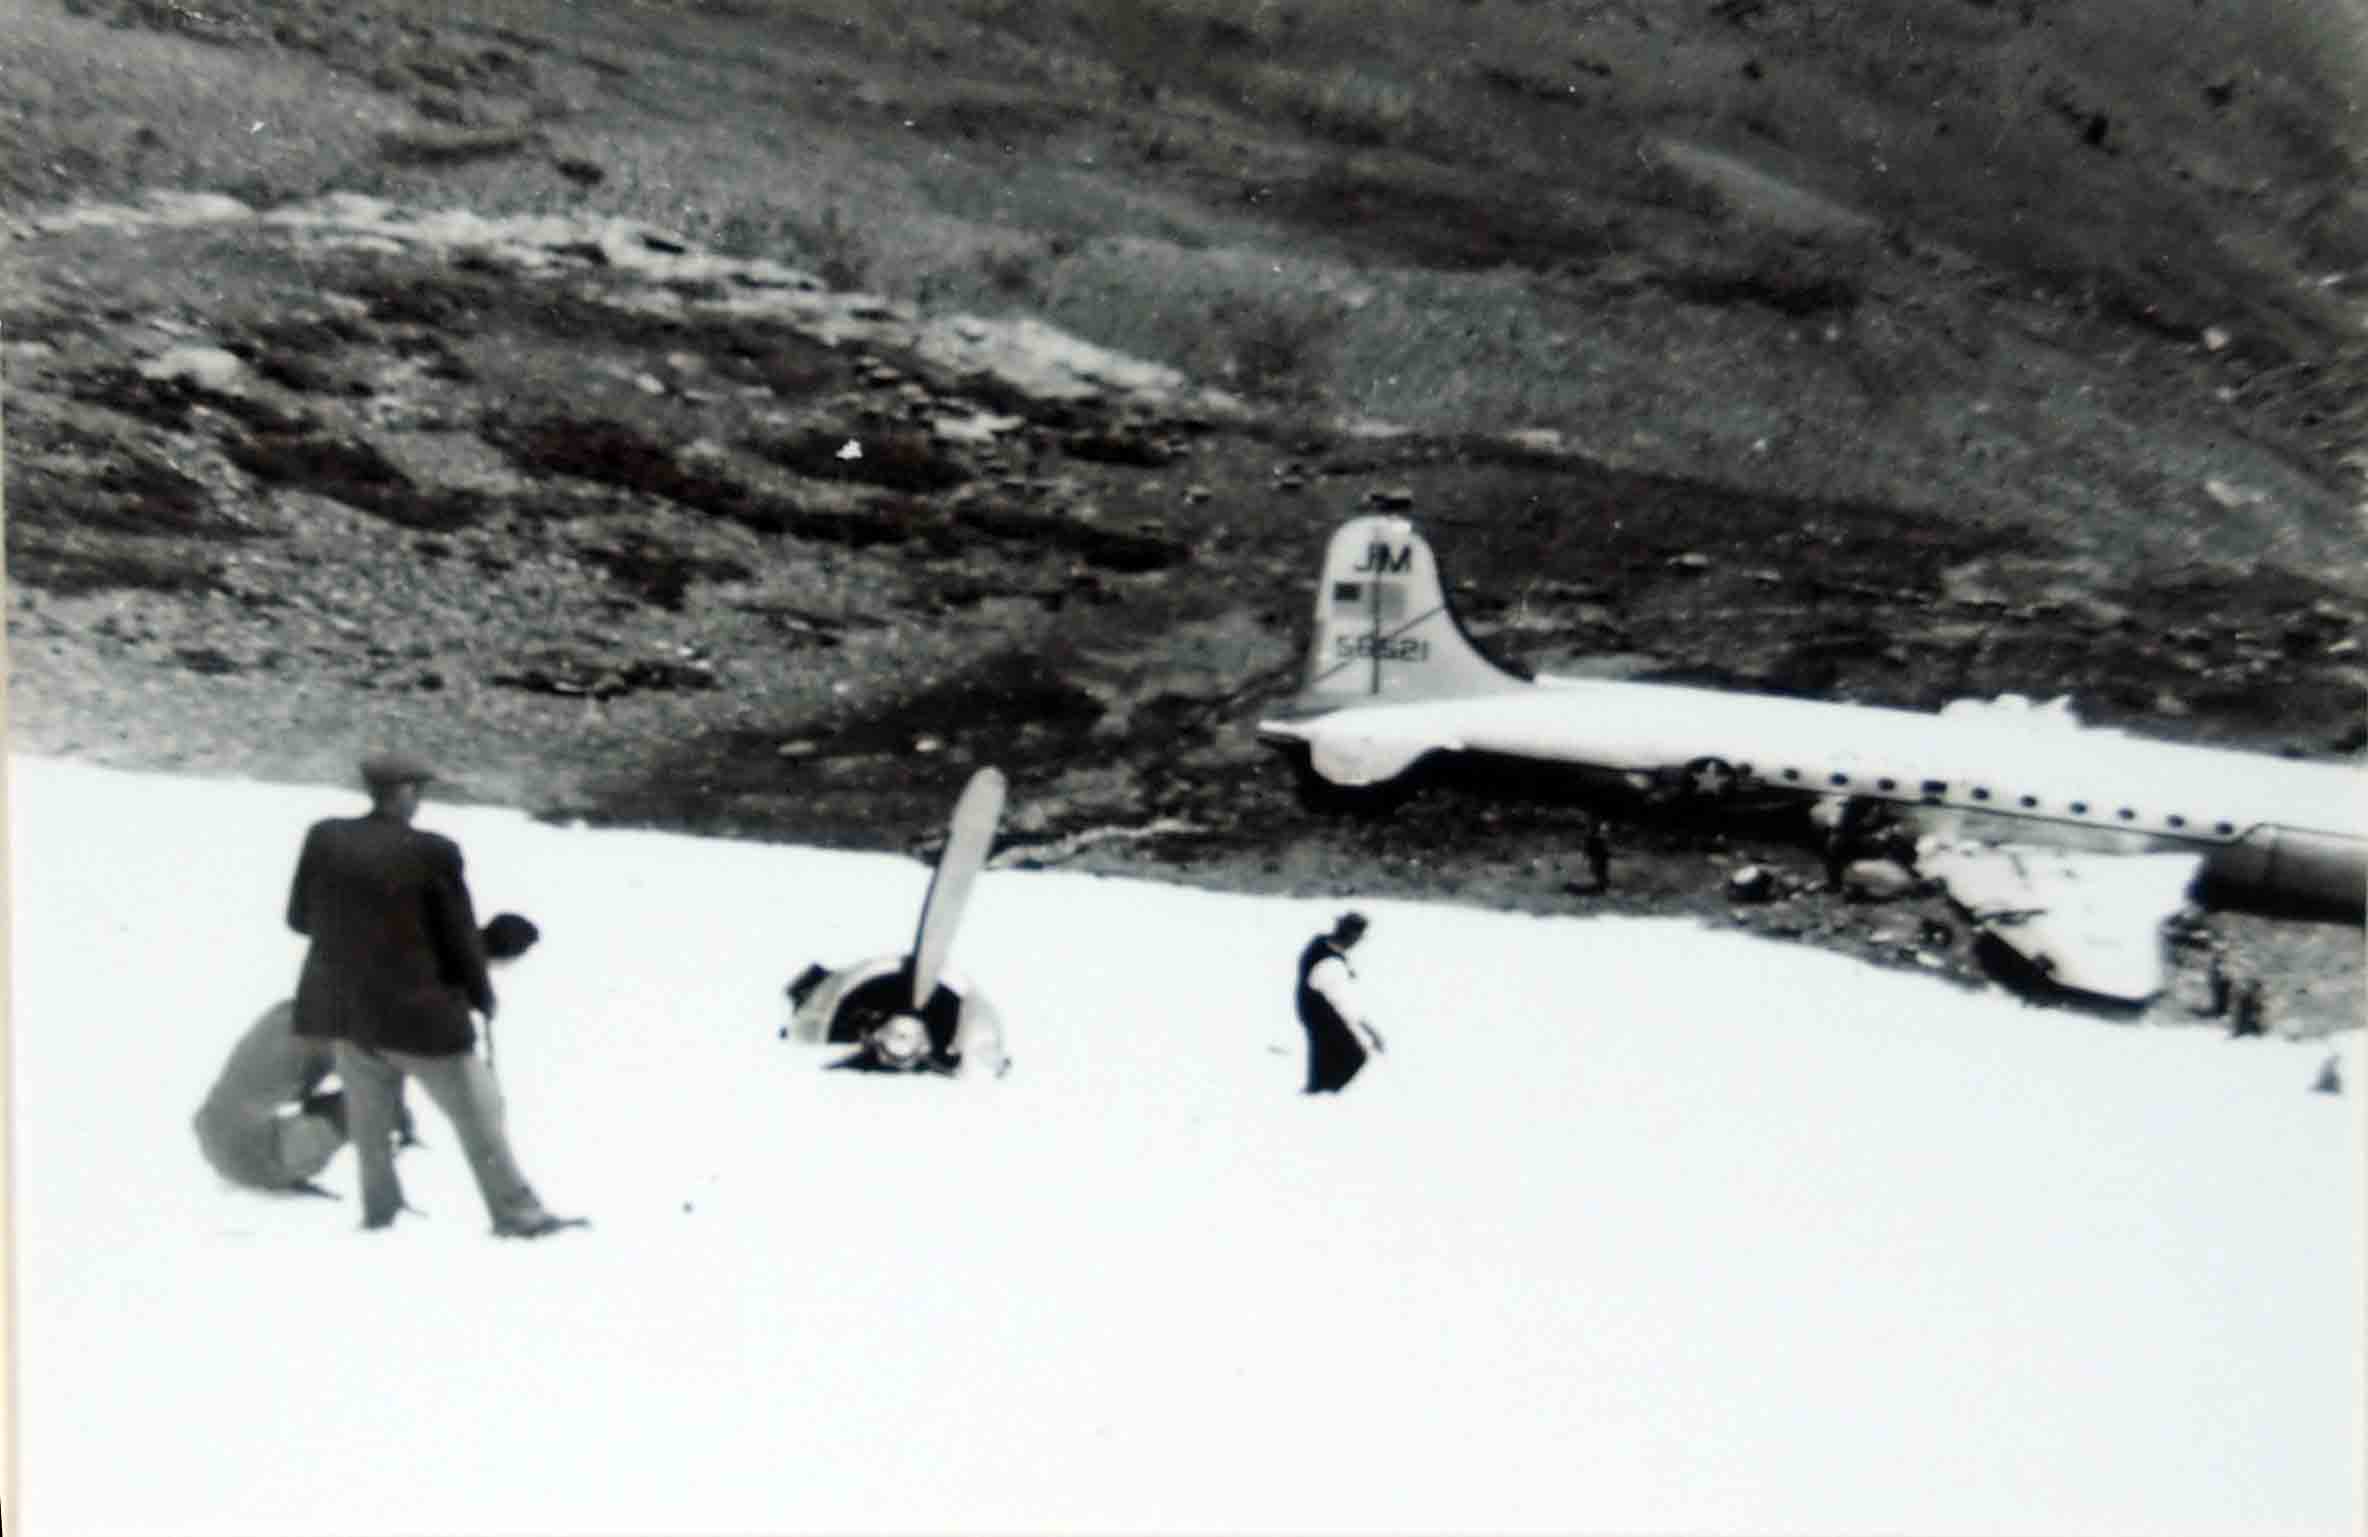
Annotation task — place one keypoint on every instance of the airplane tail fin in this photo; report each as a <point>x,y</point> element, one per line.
<point>1383,628</point>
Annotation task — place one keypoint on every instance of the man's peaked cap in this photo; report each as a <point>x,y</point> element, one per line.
<point>385,770</point>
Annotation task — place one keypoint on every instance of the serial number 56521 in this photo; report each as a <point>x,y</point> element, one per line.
<point>1402,648</point>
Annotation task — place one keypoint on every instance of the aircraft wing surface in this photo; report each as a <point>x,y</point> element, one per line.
<point>2092,922</point>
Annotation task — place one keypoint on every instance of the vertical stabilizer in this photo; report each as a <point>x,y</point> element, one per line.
<point>1383,630</point>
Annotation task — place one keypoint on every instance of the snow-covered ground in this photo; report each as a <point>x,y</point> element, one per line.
<point>1637,1228</point>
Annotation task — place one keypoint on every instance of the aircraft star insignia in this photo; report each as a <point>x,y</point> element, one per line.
<point>1711,777</point>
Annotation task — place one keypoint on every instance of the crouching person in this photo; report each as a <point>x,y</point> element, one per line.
<point>868,1005</point>
<point>265,1125</point>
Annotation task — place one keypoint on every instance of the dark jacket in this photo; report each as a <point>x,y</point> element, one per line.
<point>396,960</point>
<point>1334,1054</point>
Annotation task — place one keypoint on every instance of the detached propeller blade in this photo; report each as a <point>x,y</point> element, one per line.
<point>965,854</point>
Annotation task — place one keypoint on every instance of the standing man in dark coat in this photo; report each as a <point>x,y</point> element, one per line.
<point>1598,850</point>
<point>396,965</point>
<point>1329,1011</point>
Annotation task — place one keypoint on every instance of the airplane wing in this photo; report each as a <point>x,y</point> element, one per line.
<point>2092,922</point>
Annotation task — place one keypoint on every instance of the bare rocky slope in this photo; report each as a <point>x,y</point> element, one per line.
<point>374,375</point>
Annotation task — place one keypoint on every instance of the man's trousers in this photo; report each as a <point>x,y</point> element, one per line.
<point>463,1088</point>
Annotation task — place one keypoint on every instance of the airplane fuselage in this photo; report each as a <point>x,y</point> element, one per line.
<point>2271,826</point>
<point>1392,679</point>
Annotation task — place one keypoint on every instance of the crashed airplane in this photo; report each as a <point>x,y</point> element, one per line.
<point>2071,845</point>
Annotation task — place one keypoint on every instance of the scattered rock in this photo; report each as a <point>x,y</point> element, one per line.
<point>212,368</point>
<point>435,145</point>
<point>589,677</point>
<point>1134,444</point>
<point>2233,496</point>
<point>207,660</point>
<point>1877,880</point>
<point>1751,883</point>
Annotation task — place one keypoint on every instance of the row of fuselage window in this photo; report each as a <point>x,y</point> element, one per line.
<point>1937,790</point>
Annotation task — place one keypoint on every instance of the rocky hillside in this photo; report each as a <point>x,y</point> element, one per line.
<point>751,418</point>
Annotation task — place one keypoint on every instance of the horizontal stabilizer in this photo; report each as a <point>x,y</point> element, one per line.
<point>1376,749</point>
